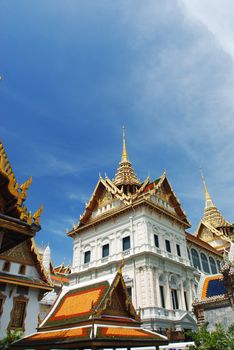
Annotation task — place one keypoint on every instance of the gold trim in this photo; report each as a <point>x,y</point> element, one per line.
<point>24,283</point>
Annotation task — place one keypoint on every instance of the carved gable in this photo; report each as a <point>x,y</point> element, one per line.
<point>206,235</point>
<point>20,253</point>
<point>118,302</point>
<point>106,198</point>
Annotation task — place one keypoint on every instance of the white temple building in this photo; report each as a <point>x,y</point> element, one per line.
<point>144,223</point>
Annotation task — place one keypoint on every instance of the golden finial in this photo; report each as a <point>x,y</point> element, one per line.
<point>121,265</point>
<point>24,187</point>
<point>209,202</point>
<point>37,214</point>
<point>125,153</point>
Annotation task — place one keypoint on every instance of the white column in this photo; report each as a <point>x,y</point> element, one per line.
<point>157,288</point>
<point>138,289</point>
<point>183,306</point>
<point>168,300</point>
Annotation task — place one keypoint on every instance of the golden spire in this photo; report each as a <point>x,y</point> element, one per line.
<point>125,153</point>
<point>212,214</point>
<point>209,202</point>
<point>125,174</point>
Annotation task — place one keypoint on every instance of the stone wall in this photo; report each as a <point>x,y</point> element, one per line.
<point>224,315</point>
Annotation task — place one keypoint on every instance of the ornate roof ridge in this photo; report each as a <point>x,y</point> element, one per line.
<point>18,191</point>
<point>42,271</point>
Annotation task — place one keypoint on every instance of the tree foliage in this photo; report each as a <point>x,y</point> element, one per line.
<point>219,339</point>
<point>11,336</point>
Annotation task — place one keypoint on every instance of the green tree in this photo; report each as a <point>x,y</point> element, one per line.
<point>219,339</point>
<point>11,336</point>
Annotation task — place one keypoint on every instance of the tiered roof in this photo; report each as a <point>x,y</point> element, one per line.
<point>125,175</point>
<point>15,218</point>
<point>126,192</point>
<point>214,228</point>
<point>94,314</point>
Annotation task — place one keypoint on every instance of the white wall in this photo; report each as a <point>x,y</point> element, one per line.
<point>32,311</point>
<point>144,263</point>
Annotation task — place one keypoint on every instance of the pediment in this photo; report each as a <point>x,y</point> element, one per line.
<point>165,197</point>
<point>117,302</point>
<point>21,254</point>
<point>211,235</point>
<point>187,318</point>
<point>205,234</point>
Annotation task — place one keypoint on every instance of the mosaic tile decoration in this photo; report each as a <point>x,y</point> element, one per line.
<point>121,332</point>
<point>76,305</point>
<point>65,334</point>
<point>213,286</point>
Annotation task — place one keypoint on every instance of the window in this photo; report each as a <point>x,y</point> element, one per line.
<point>22,270</point>
<point>6,266</point>
<point>22,290</point>
<point>126,243</point>
<point>105,250</point>
<point>168,246</point>
<point>186,300</point>
<point>2,300</point>
<point>129,290</point>
<point>195,258</point>
<point>189,255</point>
<point>162,296</point>
<point>205,264</point>
<point>156,242</point>
<point>218,264</point>
<point>178,249</point>
<point>174,297</point>
<point>2,287</point>
<point>87,257</point>
<point>18,313</point>
<point>212,265</point>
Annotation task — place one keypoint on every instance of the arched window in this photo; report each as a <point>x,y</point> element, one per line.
<point>205,264</point>
<point>189,256</point>
<point>218,264</point>
<point>212,265</point>
<point>195,258</point>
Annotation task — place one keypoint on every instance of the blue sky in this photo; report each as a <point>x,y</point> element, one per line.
<point>75,71</point>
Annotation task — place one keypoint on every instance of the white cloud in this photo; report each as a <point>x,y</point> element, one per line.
<point>217,16</point>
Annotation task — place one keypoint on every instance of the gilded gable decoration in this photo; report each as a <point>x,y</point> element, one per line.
<point>14,194</point>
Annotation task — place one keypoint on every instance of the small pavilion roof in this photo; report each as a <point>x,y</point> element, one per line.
<point>211,289</point>
<point>98,313</point>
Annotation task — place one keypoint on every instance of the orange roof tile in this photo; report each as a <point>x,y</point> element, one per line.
<point>122,332</point>
<point>79,303</point>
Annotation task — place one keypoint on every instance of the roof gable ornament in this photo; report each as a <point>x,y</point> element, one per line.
<point>15,194</point>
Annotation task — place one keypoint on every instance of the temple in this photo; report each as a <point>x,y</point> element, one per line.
<point>144,221</point>
<point>23,278</point>
<point>97,314</point>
